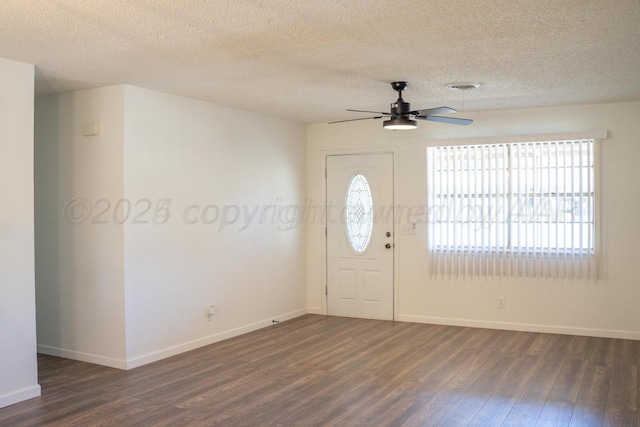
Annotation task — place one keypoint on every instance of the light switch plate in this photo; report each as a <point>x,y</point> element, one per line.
<point>409,229</point>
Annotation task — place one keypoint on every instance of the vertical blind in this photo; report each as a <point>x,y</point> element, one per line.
<point>518,209</point>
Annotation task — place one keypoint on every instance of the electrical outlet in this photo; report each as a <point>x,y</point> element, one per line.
<point>502,302</point>
<point>211,311</point>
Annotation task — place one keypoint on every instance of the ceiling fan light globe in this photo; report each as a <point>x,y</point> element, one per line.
<point>400,123</point>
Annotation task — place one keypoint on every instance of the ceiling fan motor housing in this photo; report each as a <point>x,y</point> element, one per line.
<point>400,107</point>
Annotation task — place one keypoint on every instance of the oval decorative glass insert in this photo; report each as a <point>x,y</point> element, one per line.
<point>359,213</point>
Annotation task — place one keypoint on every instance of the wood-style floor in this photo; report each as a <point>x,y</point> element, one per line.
<point>329,371</point>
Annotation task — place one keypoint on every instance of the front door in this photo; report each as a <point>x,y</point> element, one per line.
<point>360,235</point>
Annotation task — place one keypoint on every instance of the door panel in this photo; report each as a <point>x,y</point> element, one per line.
<point>360,274</point>
<point>371,286</point>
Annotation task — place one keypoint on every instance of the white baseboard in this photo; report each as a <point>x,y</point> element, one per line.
<point>81,356</point>
<point>18,396</point>
<point>524,327</point>
<point>201,342</point>
<point>314,310</point>
<point>166,352</point>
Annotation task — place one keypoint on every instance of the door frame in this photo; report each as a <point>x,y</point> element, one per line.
<point>359,151</point>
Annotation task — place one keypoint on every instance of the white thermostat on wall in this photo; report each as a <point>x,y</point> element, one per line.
<point>91,129</point>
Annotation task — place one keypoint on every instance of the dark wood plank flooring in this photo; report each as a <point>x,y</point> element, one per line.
<point>331,371</point>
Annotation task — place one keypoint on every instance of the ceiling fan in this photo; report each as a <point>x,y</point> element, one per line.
<point>402,117</point>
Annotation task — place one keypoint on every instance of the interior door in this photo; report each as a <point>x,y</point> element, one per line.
<point>360,235</point>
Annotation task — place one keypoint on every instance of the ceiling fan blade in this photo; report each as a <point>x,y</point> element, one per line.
<point>451,120</point>
<point>437,110</point>
<point>372,112</point>
<point>353,120</point>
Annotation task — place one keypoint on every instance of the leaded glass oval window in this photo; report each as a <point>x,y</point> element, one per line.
<point>359,213</point>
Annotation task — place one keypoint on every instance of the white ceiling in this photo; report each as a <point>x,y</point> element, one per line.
<point>308,60</point>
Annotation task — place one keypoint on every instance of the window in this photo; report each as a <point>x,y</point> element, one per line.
<point>359,213</point>
<point>524,209</point>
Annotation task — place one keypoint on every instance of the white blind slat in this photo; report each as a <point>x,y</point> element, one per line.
<point>591,205</point>
<point>557,213</point>
<point>580,200</point>
<point>440,214</point>
<point>549,211</point>
<point>468,265</point>
<point>485,248</point>
<point>473,221</point>
<point>490,187</point>
<point>533,217</point>
<point>573,209</point>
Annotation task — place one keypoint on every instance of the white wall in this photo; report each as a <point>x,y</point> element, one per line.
<point>124,284</point>
<point>607,308</point>
<point>193,157</point>
<point>18,365</point>
<point>79,250</point>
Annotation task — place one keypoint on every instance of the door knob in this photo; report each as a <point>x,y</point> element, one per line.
<point>388,234</point>
<point>388,246</point>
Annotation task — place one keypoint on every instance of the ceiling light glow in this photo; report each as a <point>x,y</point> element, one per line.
<point>400,123</point>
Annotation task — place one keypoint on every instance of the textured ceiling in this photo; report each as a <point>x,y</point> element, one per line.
<point>308,60</point>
